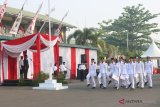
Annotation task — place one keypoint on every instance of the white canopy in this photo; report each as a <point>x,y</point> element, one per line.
<point>153,51</point>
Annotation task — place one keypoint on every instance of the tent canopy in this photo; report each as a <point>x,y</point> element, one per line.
<point>153,51</point>
<point>32,42</point>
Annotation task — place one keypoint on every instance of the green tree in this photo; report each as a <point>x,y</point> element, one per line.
<point>135,22</point>
<point>92,37</point>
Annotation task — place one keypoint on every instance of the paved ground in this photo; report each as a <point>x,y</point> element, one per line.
<point>78,95</point>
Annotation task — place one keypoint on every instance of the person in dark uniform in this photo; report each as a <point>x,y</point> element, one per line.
<point>26,66</point>
<point>82,69</point>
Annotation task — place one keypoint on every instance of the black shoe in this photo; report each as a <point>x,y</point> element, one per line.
<point>88,85</point>
<point>104,87</point>
<point>129,85</point>
<point>93,87</point>
<point>150,87</point>
<point>100,85</point>
<point>123,86</point>
<point>109,82</point>
<point>115,87</point>
<point>145,83</point>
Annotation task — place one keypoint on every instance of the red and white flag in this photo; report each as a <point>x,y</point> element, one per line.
<point>58,30</point>
<point>17,22</point>
<point>2,10</point>
<point>30,29</point>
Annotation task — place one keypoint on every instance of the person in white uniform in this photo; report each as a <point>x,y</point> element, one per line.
<point>131,73</point>
<point>136,72</point>
<point>91,74</point>
<point>82,69</point>
<point>140,72</point>
<point>54,70</point>
<point>124,74</point>
<point>102,73</point>
<point>116,74</point>
<point>149,71</point>
<point>63,68</point>
<point>112,70</point>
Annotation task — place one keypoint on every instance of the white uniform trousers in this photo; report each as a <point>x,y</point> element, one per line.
<point>108,75</point>
<point>92,78</point>
<point>125,80</point>
<point>131,80</point>
<point>141,80</point>
<point>116,80</point>
<point>100,77</point>
<point>116,83</point>
<point>149,79</point>
<point>145,77</point>
<point>136,78</point>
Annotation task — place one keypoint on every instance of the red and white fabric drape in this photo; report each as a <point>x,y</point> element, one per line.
<point>11,50</point>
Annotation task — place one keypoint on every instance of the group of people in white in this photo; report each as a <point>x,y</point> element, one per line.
<point>134,73</point>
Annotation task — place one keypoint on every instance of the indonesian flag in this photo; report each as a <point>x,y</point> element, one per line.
<point>2,10</point>
<point>30,29</point>
<point>17,22</point>
<point>58,30</point>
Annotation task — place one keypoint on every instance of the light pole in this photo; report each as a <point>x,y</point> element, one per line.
<point>50,47</point>
<point>127,42</point>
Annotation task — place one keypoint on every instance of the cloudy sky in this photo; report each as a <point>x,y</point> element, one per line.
<point>86,13</point>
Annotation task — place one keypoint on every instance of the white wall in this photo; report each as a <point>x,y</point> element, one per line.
<point>155,63</point>
<point>93,54</point>
<point>30,61</point>
<point>65,52</point>
<point>46,57</point>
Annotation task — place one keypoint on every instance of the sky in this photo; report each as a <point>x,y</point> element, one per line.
<point>86,13</point>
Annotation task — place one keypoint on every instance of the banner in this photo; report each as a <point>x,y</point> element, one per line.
<point>58,30</point>
<point>30,29</point>
<point>17,22</point>
<point>2,10</point>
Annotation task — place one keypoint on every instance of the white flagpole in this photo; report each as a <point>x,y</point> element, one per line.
<point>50,48</point>
<point>44,22</point>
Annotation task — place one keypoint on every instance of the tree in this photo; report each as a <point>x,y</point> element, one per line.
<point>92,37</point>
<point>135,22</point>
<point>82,37</point>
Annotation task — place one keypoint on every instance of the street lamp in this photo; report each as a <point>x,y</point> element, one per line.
<point>127,42</point>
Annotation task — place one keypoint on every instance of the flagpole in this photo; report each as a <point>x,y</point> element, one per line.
<point>50,64</point>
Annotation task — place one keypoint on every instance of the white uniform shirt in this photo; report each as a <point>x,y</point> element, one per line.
<point>112,67</point>
<point>124,68</point>
<point>103,67</point>
<point>131,68</point>
<point>149,67</point>
<point>92,69</point>
<point>117,69</point>
<point>62,68</point>
<point>140,67</point>
<point>82,67</point>
<point>54,69</point>
<point>21,63</point>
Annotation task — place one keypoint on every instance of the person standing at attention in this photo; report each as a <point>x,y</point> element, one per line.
<point>26,66</point>
<point>21,67</point>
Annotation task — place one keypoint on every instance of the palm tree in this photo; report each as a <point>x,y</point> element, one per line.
<point>92,37</point>
<point>82,37</point>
